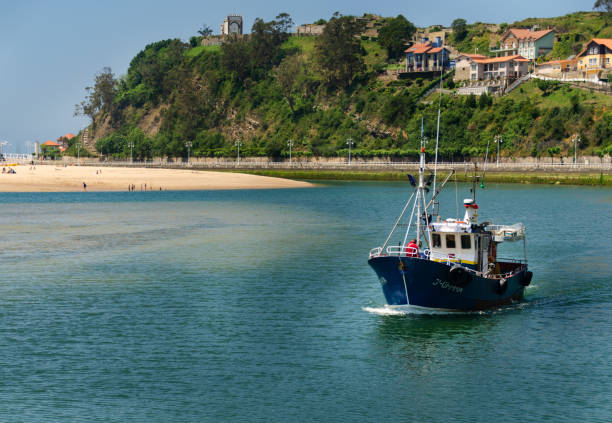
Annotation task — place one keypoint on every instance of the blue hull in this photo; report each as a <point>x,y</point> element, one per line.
<point>426,283</point>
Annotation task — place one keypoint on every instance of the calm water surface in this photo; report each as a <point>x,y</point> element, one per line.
<point>249,306</point>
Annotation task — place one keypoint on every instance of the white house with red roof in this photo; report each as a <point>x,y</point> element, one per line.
<point>463,65</point>
<point>505,67</point>
<point>427,56</point>
<point>496,72</point>
<point>526,42</point>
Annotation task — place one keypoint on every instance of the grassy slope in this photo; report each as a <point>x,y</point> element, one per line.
<point>587,24</point>
<point>560,97</point>
<point>196,51</point>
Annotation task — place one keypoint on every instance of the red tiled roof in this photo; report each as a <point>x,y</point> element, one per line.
<point>473,56</point>
<point>605,41</point>
<point>436,50</point>
<point>527,34</point>
<point>68,136</point>
<point>51,143</point>
<point>557,62</point>
<point>516,58</point>
<point>601,41</point>
<point>419,48</point>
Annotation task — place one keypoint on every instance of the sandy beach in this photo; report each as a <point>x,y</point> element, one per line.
<point>49,178</point>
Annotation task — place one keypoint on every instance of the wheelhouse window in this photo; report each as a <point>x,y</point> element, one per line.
<point>450,241</point>
<point>466,242</point>
<point>436,240</point>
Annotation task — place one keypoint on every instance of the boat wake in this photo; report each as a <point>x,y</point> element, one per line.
<point>409,310</point>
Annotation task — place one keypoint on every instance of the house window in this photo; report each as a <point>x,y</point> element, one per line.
<point>450,241</point>
<point>502,65</point>
<point>593,61</point>
<point>473,67</point>
<point>436,240</point>
<point>466,242</point>
<point>607,60</point>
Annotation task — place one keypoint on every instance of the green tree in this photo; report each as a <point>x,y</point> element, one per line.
<point>235,56</point>
<point>100,97</point>
<point>265,42</point>
<point>338,51</point>
<point>255,55</point>
<point>394,35</point>
<point>552,151</point>
<point>459,27</point>
<point>205,31</point>
<point>287,76</point>
<point>603,5</point>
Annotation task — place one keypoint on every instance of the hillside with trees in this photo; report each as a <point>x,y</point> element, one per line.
<point>269,87</point>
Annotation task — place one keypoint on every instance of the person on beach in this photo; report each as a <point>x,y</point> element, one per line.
<point>84,186</point>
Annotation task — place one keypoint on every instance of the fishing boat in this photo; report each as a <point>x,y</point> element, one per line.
<point>448,264</point>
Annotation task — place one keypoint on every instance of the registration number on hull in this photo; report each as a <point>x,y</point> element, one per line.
<point>448,286</point>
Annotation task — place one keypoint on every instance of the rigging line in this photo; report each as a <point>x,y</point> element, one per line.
<point>484,170</point>
<point>426,229</point>
<point>456,198</point>
<point>411,216</point>
<point>398,220</point>
<point>433,197</point>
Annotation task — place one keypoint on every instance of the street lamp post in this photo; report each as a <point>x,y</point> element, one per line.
<point>131,145</point>
<point>575,140</point>
<point>2,144</point>
<point>498,141</point>
<point>188,144</point>
<point>290,144</point>
<point>350,143</point>
<point>238,144</point>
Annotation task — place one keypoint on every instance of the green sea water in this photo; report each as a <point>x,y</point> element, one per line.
<point>260,306</point>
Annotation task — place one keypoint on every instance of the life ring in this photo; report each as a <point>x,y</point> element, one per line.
<point>527,278</point>
<point>459,276</point>
<point>502,286</point>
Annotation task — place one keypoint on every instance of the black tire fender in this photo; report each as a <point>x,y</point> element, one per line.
<point>459,276</point>
<point>527,278</point>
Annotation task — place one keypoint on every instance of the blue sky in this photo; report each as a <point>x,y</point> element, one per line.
<point>51,50</point>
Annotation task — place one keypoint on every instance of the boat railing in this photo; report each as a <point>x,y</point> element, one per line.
<point>395,251</point>
<point>375,252</point>
<point>442,258</point>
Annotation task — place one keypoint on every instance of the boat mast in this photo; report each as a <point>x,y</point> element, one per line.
<point>438,130</point>
<point>421,182</point>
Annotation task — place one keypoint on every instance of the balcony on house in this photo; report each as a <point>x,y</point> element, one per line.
<point>503,51</point>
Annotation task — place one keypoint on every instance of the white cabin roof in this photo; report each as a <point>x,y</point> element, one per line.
<point>452,225</point>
